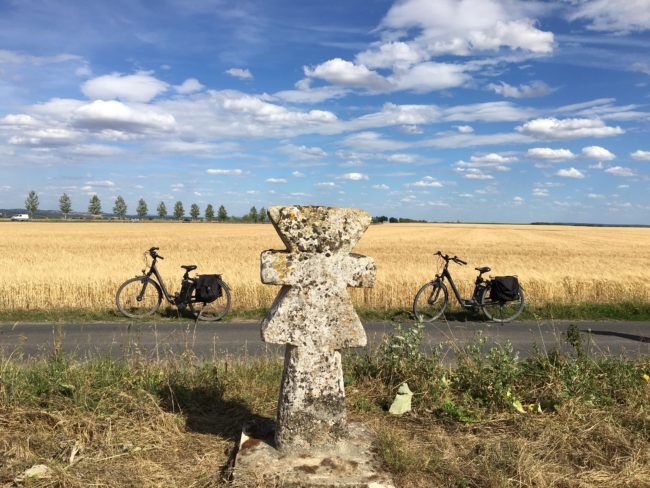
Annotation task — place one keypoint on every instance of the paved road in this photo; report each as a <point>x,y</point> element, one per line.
<point>157,340</point>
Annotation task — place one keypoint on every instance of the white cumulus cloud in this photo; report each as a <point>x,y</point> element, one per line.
<point>552,128</point>
<point>191,85</point>
<point>242,74</point>
<point>116,116</point>
<point>640,155</point>
<point>430,76</point>
<point>427,182</point>
<point>341,72</point>
<point>620,171</point>
<point>140,87</point>
<point>549,154</point>
<point>353,176</point>
<point>492,158</point>
<point>279,181</point>
<point>472,173</point>
<point>391,54</point>
<point>598,153</point>
<point>570,173</point>
<point>464,26</point>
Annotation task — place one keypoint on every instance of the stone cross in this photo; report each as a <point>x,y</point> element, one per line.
<point>314,317</point>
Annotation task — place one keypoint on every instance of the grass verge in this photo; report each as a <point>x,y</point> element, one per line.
<point>625,310</point>
<point>491,420</point>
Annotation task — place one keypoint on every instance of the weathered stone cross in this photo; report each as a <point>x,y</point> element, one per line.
<point>314,317</point>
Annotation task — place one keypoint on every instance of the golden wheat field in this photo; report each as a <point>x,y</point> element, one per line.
<point>80,265</point>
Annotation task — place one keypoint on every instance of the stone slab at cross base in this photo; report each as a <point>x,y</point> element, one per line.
<point>348,463</point>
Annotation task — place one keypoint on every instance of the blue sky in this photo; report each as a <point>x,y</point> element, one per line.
<point>471,110</point>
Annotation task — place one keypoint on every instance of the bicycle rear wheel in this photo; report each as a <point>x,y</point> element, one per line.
<point>500,311</point>
<point>430,301</point>
<point>138,297</point>
<point>215,310</point>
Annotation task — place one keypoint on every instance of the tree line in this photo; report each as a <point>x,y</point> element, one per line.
<point>395,220</point>
<point>120,209</point>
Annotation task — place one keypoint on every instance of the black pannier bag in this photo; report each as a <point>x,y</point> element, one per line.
<point>208,288</point>
<point>504,288</point>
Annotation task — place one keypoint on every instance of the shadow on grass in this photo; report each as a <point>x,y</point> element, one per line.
<point>206,411</point>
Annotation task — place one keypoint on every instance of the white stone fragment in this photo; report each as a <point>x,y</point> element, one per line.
<point>36,472</point>
<point>402,402</point>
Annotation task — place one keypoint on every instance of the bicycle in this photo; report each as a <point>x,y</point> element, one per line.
<point>432,298</point>
<point>142,296</point>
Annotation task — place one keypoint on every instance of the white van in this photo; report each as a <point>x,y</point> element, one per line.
<point>20,217</point>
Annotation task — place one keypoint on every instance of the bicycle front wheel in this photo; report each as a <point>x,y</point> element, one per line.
<point>500,311</point>
<point>430,301</point>
<point>138,297</point>
<point>215,310</point>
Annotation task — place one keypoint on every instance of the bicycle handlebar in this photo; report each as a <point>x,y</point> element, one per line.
<point>446,257</point>
<point>152,252</point>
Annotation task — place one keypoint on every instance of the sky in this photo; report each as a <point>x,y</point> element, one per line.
<point>444,110</point>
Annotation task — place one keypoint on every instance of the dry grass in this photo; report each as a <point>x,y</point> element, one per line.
<point>136,424</point>
<point>80,265</point>
<point>577,447</point>
<point>176,424</point>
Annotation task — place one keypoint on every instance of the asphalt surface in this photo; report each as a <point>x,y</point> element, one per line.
<point>211,340</point>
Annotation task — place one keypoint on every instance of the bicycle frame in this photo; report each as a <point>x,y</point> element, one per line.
<point>153,270</point>
<point>465,303</point>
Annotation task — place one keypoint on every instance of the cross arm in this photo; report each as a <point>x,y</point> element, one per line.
<point>362,271</point>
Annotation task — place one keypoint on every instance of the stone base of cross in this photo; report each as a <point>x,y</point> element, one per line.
<point>314,317</point>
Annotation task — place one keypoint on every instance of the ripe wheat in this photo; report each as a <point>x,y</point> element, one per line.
<point>80,265</point>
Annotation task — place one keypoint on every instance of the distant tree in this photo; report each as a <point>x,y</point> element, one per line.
<point>222,215</point>
<point>195,211</point>
<point>209,213</point>
<point>393,220</point>
<point>142,208</point>
<point>31,203</point>
<point>179,211</point>
<point>162,210</point>
<point>253,214</point>
<point>95,205</point>
<point>119,209</point>
<point>65,205</point>
<point>262,215</point>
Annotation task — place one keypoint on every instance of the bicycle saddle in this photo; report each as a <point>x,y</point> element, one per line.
<point>484,269</point>
<point>189,267</point>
